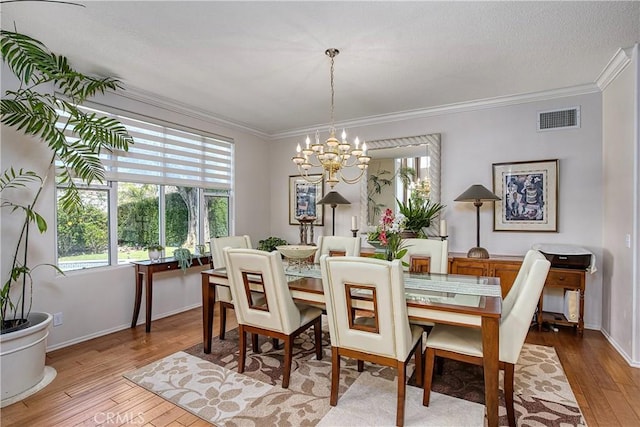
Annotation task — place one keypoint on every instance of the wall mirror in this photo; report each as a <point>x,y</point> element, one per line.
<point>385,178</point>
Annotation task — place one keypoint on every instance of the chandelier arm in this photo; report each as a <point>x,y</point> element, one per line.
<point>305,175</point>
<point>351,180</point>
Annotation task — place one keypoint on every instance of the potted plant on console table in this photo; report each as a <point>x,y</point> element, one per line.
<point>419,214</point>
<point>34,112</point>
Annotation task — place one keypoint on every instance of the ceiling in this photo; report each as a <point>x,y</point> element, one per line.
<point>261,65</point>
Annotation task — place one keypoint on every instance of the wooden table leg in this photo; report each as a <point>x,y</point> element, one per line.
<point>208,303</point>
<point>490,350</point>
<point>138,301</point>
<point>148,289</point>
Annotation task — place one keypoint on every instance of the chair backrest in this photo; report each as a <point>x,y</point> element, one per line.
<point>349,245</point>
<point>436,250</point>
<point>255,270</point>
<point>219,243</point>
<point>520,304</point>
<point>387,332</point>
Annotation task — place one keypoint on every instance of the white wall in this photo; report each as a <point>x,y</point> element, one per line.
<point>98,301</point>
<point>621,178</point>
<point>471,142</point>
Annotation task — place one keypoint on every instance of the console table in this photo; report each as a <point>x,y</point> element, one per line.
<point>144,274</point>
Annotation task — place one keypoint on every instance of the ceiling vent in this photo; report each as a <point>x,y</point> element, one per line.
<point>559,119</point>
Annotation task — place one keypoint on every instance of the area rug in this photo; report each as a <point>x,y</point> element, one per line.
<point>209,386</point>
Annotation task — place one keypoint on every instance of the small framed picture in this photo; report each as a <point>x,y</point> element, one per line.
<point>303,196</point>
<point>529,193</point>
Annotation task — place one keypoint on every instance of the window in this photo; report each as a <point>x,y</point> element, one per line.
<point>217,210</point>
<point>83,238</point>
<point>158,190</point>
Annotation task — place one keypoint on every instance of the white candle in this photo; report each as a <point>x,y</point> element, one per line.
<point>354,222</point>
<point>443,227</point>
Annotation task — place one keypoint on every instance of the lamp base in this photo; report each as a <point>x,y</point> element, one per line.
<point>477,252</point>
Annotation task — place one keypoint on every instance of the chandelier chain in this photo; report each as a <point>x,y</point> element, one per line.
<point>332,54</point>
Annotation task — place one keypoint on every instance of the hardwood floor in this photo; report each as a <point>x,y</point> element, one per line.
<point>90,390</point>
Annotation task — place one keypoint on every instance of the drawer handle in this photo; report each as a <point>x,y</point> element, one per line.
<point>561,278</point>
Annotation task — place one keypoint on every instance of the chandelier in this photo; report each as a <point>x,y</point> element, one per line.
<point>421,187</point>
<point>332,155</point>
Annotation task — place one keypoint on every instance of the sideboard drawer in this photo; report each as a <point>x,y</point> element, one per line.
<point>564,278</point>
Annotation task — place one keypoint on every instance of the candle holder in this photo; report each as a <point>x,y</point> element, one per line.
<point>354,232</point>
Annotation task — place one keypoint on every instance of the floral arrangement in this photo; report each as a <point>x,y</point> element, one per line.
<point>388,235</point>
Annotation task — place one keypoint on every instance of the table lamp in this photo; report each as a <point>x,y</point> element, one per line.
<point>477,194</point>
<point>334,199</point>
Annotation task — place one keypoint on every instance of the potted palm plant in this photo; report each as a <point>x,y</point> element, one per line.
<point>418,213</point>
<point>49,89</point>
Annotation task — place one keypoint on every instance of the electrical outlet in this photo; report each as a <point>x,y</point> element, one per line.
<point>627,240</point>
<point>57,319</point>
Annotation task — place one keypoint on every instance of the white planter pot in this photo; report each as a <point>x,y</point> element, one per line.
<point>155,255</point>
<point>22,356</point>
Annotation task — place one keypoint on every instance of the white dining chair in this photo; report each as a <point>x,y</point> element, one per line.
<point>465,343</point>
<point>426,255</point>
<point>383,335</point>
<point>349,245</point>
<point>223,293</point>
<point>276,315</point>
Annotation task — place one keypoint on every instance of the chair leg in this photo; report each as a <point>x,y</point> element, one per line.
<point>288,356</point>
<point>254,343</point>
<point>402,388</point>
<point>335,376</point>
<point>429,356</point>
<point>419,363</point>
<point>243,349</point>
<point>508,393</point>
<point>360,365</point>
<point>223,321</point>
<point>439,365</point>
<point>317,332</point>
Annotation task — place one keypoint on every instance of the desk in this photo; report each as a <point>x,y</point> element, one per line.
<point>144,273</point>
<point>486,317</point>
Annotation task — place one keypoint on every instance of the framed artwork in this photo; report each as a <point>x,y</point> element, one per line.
<point>529,193</point>
<point>303,196</point>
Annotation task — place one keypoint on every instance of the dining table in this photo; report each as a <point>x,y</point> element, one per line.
<point>472,301</point>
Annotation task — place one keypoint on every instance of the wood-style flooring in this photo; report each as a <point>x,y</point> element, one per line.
<point>90,390</point>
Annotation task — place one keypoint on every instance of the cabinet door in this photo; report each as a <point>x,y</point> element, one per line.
<point>470,267</point>
<point>507,273</point>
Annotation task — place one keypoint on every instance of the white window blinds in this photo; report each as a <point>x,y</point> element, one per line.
<point>163,155</point>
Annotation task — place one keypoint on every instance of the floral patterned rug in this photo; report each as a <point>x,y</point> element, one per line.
<point>209,386</point>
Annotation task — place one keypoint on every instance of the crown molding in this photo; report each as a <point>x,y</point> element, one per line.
<point>174,106</point>
<point>480,104</point>
<point>620,60</point>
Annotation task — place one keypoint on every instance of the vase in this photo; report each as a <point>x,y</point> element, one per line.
<point>375,243</point>
<point>154,255</point>
<point>23,359</point>
<point>388,255</point>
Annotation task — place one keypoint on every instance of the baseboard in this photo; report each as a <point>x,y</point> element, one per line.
<point>117,328</point>
<point>629,360</point>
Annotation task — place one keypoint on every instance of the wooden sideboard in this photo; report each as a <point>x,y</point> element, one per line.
<point>504,267</point>
<point>507,267</point>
